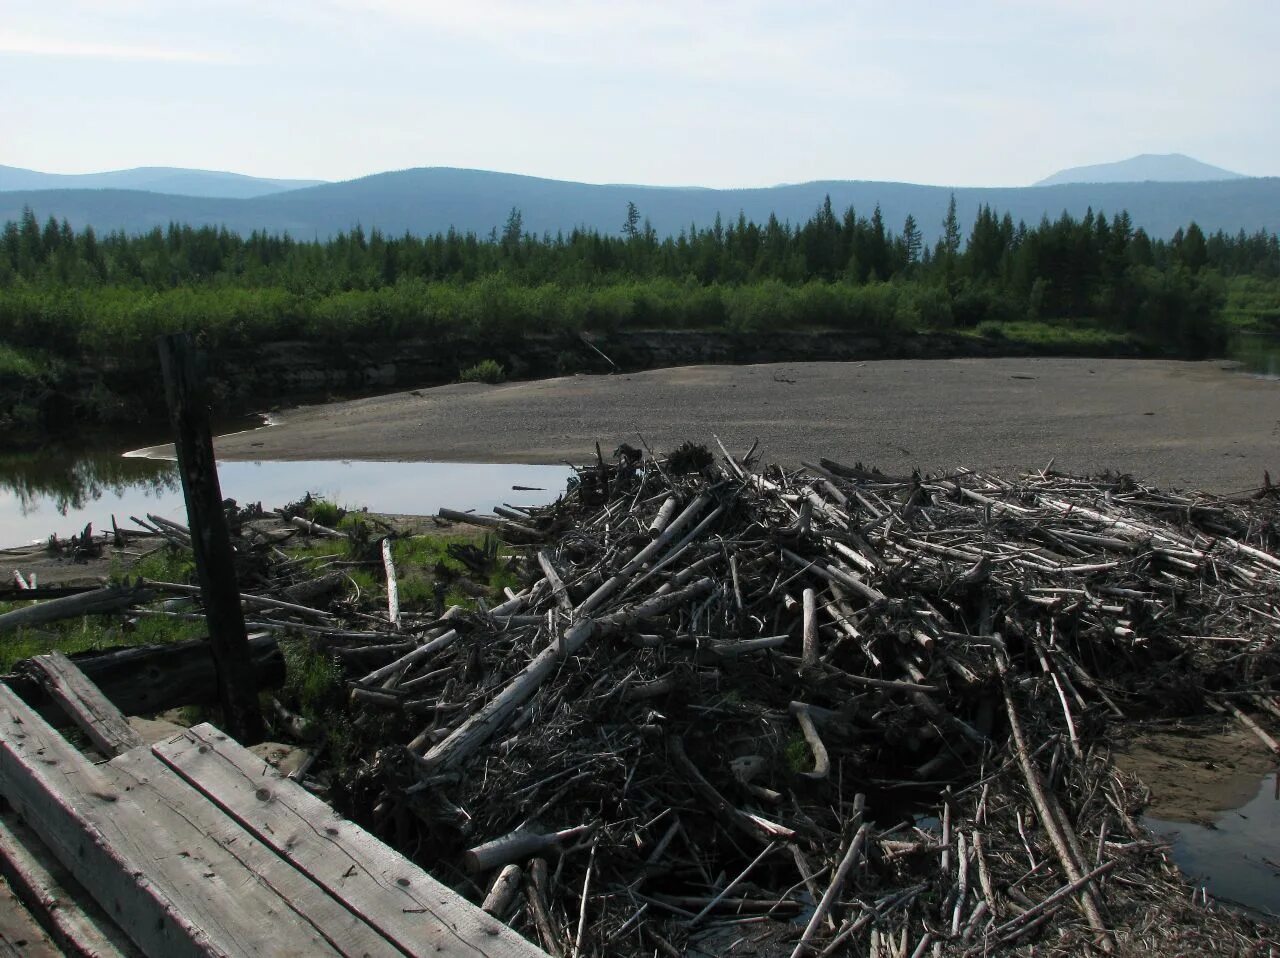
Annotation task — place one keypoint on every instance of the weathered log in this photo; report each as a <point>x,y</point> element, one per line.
<point>492,522</point>
<point>1051,817</point>
<point>810,626</point>
<point>851,857</point>
<point>311,589</point>
<point>261,601</point>
<point>465,739</point>
<point>313,528</point>
<point>503,891</point>
<point>821,762</point>
<point>548,566</point>
<point>536,894</point>
<point>142,680</point>
<point>110,598</point>
<point>517,846</point>
<point>393,587</point>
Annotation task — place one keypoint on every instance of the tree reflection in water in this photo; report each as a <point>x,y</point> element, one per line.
<point>69,480</point>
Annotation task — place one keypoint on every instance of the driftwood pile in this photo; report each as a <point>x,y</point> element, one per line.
<point>751,711</point>
<point>826,711</point>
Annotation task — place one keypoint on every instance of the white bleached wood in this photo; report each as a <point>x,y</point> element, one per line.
<point>393,588</point>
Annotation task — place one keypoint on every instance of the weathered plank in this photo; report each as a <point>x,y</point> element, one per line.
<point>173,891</point>
<point>411,908</point>
<point>75,921</point>
<point>20,936</point>
<point>150,782</point>
<point>85,705</point>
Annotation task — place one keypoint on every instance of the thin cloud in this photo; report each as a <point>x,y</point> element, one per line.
<point>37,46</point>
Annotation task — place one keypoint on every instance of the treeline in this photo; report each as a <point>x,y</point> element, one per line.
<point>65,291</point>
<point>1069,253</point>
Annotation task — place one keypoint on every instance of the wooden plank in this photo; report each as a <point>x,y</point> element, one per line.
<point>20,936</point>
<point>109,731</point>
<point>174,893</point>
<point>422,916</point>
<point>187,395</point>
<point>153,784</point>
<point>74,920</point>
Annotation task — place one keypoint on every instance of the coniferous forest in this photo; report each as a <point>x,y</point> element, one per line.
<point>70,297</point>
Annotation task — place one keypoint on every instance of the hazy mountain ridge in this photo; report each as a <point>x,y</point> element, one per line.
<point>1146,167</point>
<point>430,200</point>
<point>167,180</point>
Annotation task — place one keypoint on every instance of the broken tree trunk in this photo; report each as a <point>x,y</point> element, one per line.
<point>210,537</point>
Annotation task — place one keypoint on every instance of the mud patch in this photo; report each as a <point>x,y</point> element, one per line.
<point>1195,770</point>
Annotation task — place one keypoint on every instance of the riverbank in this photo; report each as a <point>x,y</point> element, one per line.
<point>1173,424</point>
<point>124,391</point>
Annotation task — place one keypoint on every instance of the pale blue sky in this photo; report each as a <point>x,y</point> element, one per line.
<point>987,92</point>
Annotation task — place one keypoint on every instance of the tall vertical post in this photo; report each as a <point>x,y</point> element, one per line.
<point>188,401</point>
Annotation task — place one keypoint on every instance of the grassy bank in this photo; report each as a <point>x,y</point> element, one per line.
<point>1253,305</point>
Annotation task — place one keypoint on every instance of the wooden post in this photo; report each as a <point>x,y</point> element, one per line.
<point>210,538</point>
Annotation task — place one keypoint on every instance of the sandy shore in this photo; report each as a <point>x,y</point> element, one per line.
<point>1176,424</point>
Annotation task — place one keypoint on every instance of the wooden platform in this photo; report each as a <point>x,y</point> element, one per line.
<point>195,846</point>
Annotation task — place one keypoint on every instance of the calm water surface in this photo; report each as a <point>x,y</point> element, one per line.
<point>1259,355</point>
<point>1238,858</point>
<point>58,492</point>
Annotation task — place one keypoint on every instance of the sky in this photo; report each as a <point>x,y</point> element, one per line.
<point>975,93</point>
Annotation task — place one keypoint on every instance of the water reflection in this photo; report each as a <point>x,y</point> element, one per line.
<point>1236,858</point>
<point>67,483</point>
<point>1258,354</point>
<point>58,492</point>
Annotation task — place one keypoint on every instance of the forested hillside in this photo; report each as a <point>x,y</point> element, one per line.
<point>433,200</point>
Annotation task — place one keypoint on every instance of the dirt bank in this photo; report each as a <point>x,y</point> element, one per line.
<point>1195,768</point>
<point>1175,424</point>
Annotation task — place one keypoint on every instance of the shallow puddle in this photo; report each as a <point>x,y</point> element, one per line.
<point>1237,856</point>
<point>45,493</point>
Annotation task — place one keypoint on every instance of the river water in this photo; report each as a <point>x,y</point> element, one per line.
<point>58,491</point>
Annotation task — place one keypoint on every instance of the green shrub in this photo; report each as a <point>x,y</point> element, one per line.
<point>326,513</point>
<point>487,371</point>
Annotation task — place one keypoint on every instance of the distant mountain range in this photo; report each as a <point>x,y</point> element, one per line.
<point>1145,168</point>
<point>152,179</point>
<point>430,200</point>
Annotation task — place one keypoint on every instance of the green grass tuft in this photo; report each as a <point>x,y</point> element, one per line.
<point>167,564</point>
<point>312,679</point>
<point>1063,334</point>
<point>326,513</point>
<point>799,758</point>
<point>92,634</point>
<point>488,371</point>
